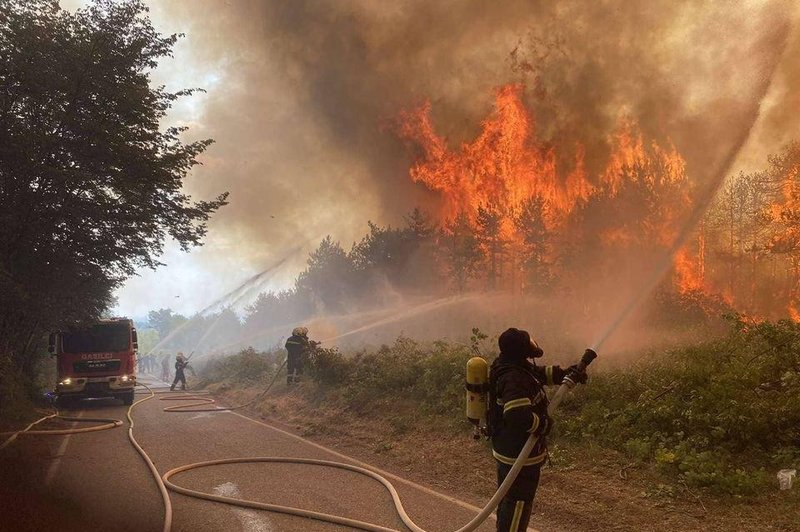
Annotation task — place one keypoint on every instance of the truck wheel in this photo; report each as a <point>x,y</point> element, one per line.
<point>65,401</point>
<point>127,399</point>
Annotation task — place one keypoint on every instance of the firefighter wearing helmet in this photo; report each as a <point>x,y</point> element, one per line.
<point>517,409</point>
<point>180,364</point>
<point>298,346</point>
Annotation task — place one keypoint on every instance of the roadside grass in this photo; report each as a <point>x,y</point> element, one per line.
<point>717,418</point>
<point>21,398</point>
<point>723,416</point>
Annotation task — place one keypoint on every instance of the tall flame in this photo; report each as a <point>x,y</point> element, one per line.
<point>507,165</point>
<point>503,167</point>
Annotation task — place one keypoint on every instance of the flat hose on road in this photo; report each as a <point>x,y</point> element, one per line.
<point>361,525</point>
<point>107,423</point>
<point>200,401</point>
<point>164,482</point>
<point>150,465</point>
<point>300,512</point>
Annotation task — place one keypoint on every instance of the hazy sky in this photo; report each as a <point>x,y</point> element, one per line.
<point>299,94</point>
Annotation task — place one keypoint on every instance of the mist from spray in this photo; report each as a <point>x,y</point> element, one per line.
<point>231,298</point>
<point>682,70</point>
<point>778,41</point>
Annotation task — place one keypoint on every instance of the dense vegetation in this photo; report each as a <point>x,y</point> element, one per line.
<point>91,183</point>
<point>723,416</point>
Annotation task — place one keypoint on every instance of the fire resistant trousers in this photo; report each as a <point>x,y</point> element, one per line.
<point>514,511</point>
<point>294,369</point>
<point>179,377</point>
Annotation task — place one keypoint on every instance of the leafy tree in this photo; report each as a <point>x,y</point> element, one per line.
<point>383,250</point>
<point>420,226</point>
<point>329,278</point>
<point>738,222</point>
<point>165,321</point>
<point>148,339</point>
<point>422,269</point>
<point>90,183</point>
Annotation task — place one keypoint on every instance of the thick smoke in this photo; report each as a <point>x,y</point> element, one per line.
<point>304,94</point>
<point>306,89</point>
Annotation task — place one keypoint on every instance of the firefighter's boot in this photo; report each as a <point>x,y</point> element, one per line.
<point>513,515</point>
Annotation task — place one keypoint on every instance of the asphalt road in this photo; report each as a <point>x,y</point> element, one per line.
<point>97,481</point>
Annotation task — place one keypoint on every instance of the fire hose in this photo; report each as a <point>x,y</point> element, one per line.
<point>107,423</point>
<point>200,401</point>
<point>473,524</point>
<point>164,482</point>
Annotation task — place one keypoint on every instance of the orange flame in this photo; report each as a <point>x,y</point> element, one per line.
<point>503,167</point>
<point>507,164</point>
<point>689,276</point>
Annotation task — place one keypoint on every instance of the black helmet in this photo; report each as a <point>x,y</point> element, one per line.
<point>516,343</point>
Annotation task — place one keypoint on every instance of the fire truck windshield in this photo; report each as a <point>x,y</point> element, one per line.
<point>103,337</point>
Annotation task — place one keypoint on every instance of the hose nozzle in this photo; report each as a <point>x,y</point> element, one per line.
<point>572,378</point>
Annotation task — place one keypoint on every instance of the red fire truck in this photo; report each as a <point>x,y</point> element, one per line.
<point>98,361</point>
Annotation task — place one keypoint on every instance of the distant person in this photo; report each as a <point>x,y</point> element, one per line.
<point>165,373</point>
<point>180,365</point>
<point>517,409</point>
<point>298,347</point>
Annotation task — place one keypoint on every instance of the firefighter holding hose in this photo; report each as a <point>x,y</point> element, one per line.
<point>518,408</point>
<point>180,364</point>
<point>298,347</point>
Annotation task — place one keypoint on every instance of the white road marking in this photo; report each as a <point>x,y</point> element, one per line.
<point>368,466</point>
<point>251,520</point>
<point>54,465</point>
<point>202,415</point>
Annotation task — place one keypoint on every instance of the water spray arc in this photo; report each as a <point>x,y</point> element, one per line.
<point>662,265</point>
<point>232,297</point>
<point>718,175</point>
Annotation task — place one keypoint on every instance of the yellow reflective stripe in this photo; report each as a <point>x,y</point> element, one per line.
<point>517,515</point>
<point>295,343</point>
<point>516,403</point>
<point>548,371</point>
<point>535,424</point>
<point>533,460</point>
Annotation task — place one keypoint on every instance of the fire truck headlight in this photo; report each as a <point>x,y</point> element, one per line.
<point>124,378</point>
<point>66,382</point>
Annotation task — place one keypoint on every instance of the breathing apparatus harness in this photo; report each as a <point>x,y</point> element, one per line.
<point>478,394</point>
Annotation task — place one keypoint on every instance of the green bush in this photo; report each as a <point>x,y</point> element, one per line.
<point>329,367</point>
<point>714,414</point>
<point>247,367</point>
<point>718,416</point>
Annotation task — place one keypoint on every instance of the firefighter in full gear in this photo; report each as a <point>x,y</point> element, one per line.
<point>517,409</point>
<point>180,364</point>
<point>298,347</point>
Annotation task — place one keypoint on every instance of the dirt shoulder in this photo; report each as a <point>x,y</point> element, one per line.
<point>584,488</point>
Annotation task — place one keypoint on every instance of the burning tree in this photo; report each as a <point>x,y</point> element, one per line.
<point>520,199</point>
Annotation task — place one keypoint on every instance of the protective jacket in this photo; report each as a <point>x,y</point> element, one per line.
<point>179,366</point>
<point>297,346</point>
<point>518,407</point>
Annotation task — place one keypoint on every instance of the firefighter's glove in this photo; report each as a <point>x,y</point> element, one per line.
<point>577,376</point>
<point>545,426</point>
